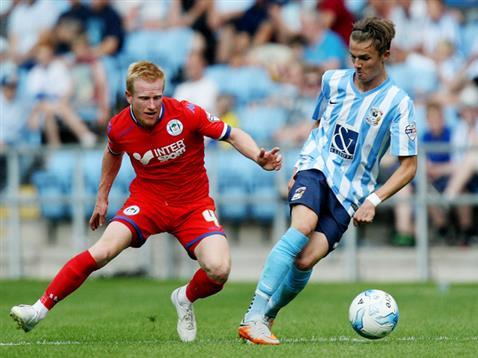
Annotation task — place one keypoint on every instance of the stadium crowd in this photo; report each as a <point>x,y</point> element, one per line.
<point>256,63</point>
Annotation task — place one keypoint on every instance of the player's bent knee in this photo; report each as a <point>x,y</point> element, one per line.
<point>315,250</point>
<point>305,264</point>
<point>307,260</point>
<point>102,256</point>
<point>304,228</point>
<point>218,272</point>
<point>103,253</point>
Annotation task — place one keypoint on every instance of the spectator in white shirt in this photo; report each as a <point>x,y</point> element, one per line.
<point>29,21</point>
<point>197,89</point>
<point>49,85</point>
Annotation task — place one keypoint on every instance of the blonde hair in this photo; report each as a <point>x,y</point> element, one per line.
<point>380,31</point>
<point>144,70</point>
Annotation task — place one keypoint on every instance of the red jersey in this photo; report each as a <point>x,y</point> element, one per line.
<point>169,158</point>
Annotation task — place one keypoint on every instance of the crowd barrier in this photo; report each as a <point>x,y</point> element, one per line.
<point>242,192</point>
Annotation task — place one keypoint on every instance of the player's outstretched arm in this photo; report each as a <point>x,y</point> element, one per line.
<point>243,142</point>
<point>400,177</point>
<point>109,170</point>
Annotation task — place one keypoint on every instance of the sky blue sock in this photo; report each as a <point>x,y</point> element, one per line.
<point>277,265</point>
<point>294,282</point>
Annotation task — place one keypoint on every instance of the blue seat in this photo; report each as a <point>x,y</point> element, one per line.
<point>261,122</point>
<point>55,183</point>
<point>50,192</point>
<point>290,157</point>
<point>125,175</point>
<point>246,84</point>
<point>61,164</point>
<point>138,44</point>
<point>120,189</point>
<point>144,45</point>
<point>252,84</point>
<point>57,180</point>
<point>92,169</point>
<point>174,45</point>
<point>116,200</point>
<point>114,78</point>
<point>92,162</point>
<point>264,192</point>
<point>234,171</point>
<point>468,38</point>
<point>221,75</point>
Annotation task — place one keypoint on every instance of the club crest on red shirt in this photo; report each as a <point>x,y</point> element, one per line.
<point>174,127</point>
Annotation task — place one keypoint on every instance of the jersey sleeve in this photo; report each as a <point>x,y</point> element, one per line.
<point>113,146</point>
<point>403,136</point>
<point>208,124</point>
<point>323,97</point>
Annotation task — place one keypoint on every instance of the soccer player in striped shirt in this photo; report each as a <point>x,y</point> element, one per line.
<point>164,139</point>
<point>360,113</point>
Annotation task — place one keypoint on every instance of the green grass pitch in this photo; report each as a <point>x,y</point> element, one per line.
<point>134,318</point>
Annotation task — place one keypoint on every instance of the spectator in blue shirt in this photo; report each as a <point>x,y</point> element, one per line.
<point>324,47</point>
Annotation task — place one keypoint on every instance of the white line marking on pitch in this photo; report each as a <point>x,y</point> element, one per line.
<point>215,341</point>
<point>52,343</point>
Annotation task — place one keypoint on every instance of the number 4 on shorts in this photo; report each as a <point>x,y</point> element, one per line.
<point>210,216</point>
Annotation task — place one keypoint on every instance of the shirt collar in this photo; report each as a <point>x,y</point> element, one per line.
<point>161,113</point>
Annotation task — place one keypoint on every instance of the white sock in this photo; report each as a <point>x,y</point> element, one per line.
<point>182,295</point>
<point>40,308</point>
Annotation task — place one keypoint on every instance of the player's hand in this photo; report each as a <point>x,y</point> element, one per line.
<point>98,217</point>
<point>270,160</point>
<point>364,214</point>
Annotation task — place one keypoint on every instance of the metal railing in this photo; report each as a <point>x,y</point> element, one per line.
<point>12,201</point>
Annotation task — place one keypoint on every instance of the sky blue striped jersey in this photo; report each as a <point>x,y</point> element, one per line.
<point>355,131</point>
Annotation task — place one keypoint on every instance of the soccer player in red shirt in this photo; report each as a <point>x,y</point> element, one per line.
<point>164,139</point>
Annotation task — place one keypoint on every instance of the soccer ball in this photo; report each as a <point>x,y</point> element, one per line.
<point>373,314</point>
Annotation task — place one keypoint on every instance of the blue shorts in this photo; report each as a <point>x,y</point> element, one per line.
<point>311,189</point>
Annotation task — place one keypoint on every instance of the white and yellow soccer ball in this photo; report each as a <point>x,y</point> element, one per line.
<point>373,314</point>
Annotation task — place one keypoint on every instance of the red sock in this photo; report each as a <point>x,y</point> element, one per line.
<point>202,286</point>
<point>69,278</point>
